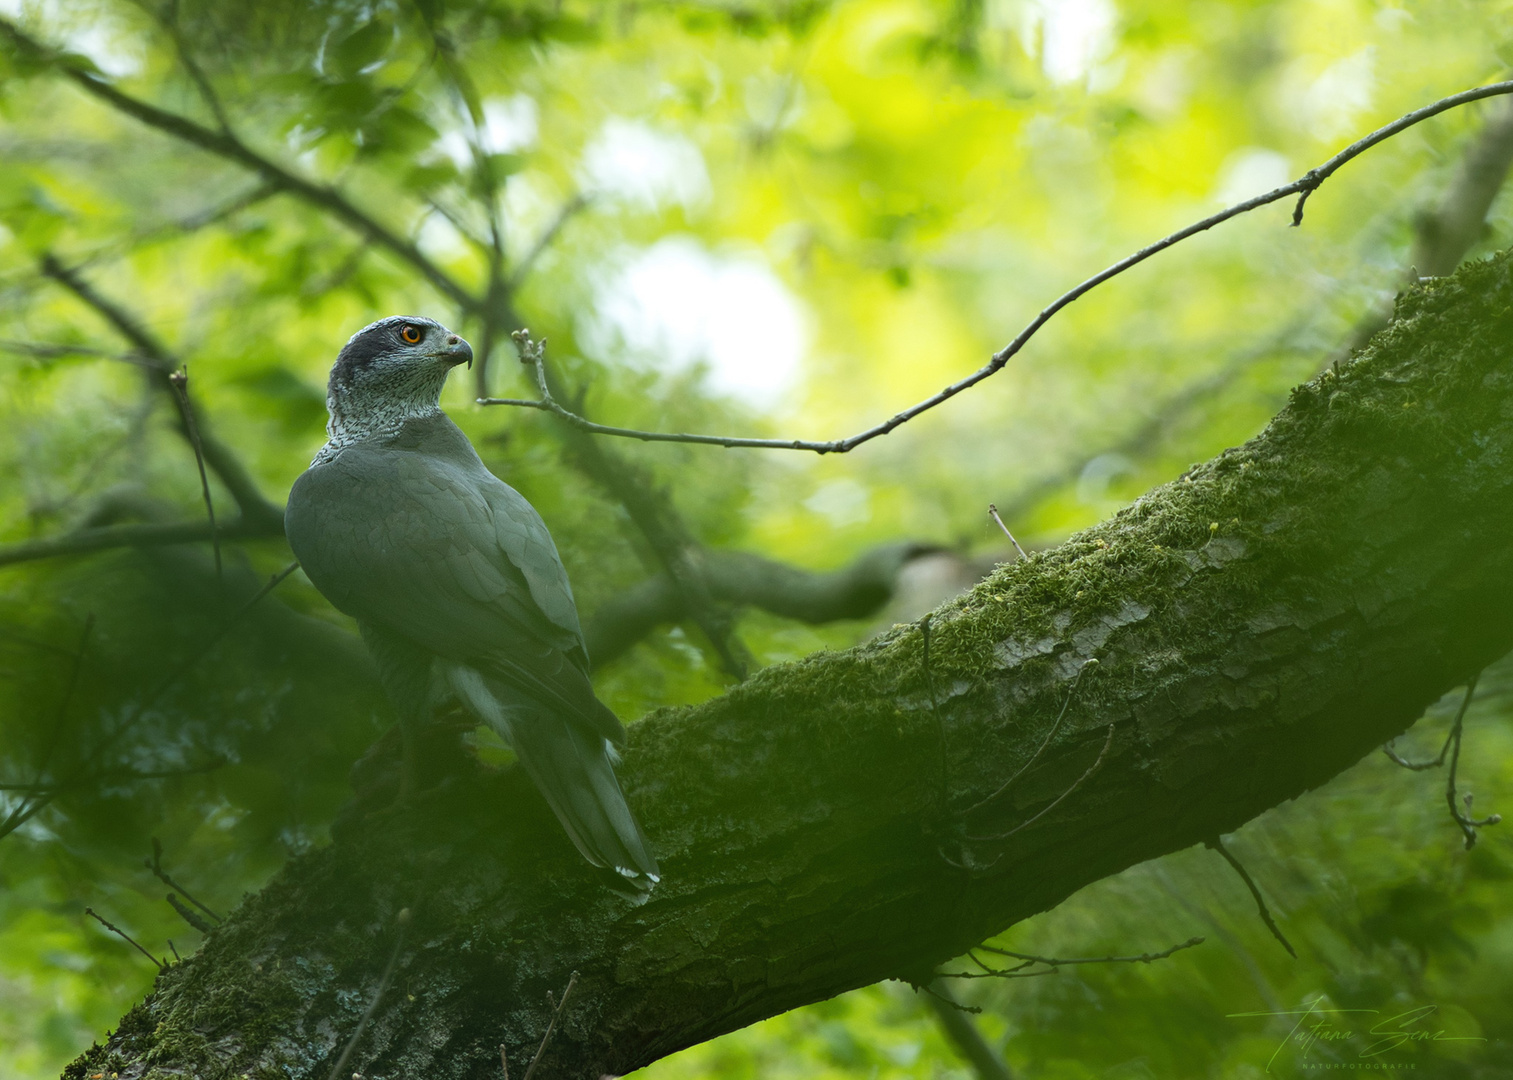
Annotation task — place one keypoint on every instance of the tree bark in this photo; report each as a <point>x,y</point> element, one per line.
<point>1259,625</point>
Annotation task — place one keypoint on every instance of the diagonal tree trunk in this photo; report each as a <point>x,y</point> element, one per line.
<point>1259,625</point>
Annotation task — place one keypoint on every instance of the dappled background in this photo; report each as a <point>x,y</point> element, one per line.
<point>767,219</point>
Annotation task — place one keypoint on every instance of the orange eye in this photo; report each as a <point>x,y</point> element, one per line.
<point>411,334</point>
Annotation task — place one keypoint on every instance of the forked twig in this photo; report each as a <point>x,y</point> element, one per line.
<point>1468,824</point>
<point>1455,725</point>
<point>551,1027</point>
<point>1050,964</point>
<point>155,864</point>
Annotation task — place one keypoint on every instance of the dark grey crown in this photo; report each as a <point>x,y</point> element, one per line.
<point>382,339</point>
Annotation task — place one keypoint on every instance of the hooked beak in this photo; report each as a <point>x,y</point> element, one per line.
<point>457,352</point>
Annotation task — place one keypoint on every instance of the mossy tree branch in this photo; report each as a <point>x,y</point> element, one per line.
<point>1260,625</point>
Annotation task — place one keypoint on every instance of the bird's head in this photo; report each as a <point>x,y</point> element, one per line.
<point>389,372</point>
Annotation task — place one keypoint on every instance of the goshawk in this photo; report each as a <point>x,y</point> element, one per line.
<point>455,582</point>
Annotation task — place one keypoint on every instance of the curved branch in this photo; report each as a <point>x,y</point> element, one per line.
<point>1302,187</point>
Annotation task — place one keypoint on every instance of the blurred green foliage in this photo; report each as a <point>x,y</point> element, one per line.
<point>799,217</point>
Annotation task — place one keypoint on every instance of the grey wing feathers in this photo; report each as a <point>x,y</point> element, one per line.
<point>450,557</point>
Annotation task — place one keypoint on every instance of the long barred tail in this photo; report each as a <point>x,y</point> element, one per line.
<point>573,768</point>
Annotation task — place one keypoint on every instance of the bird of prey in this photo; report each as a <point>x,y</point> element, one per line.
<point>455,582</point>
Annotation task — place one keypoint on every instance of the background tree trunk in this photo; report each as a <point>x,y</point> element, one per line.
<point>1259,625</point>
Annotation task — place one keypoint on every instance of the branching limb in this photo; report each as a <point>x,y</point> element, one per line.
<point>1468,824</point>
<point>232,148</point>
<point>1442,235</point>
<point>1302,187</point>
<point>1030,966</point>
<point>255,510</point>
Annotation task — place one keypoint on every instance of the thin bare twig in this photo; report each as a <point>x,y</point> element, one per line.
<point>1091,769</point>
<point>1468,824</point>
<point>155,864</point>
<point>403,921</point>
<point>179,380</point>
<point>188,914</point>
<point>993,513</point>
<point>1091,662</point>
<point>123,935</point>
<point>551,1026</point>
<point>1218,845</point>
<point>1455,726</point>
<point>1302,187</point>
<point>1050,964</point>
<point>957,1024</point>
